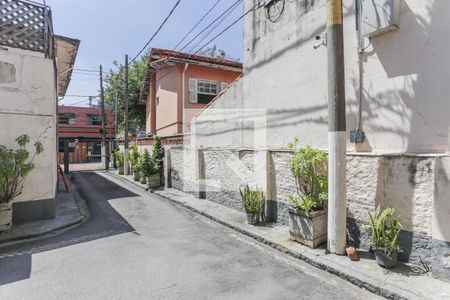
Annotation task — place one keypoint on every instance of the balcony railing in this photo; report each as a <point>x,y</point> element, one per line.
<point>26,25</point>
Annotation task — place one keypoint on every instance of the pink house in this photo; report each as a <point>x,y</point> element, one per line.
<point>179,85</point>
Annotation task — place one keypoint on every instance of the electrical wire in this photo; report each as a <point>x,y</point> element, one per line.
<point>211,24</point>
<point>196,25</point>
<point>213,28</point>
<point>157,31</point>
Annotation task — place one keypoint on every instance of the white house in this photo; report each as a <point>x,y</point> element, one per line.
<point>35,68</point>
<point>397,94</point>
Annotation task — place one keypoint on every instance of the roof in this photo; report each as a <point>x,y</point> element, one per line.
<point>66,50</point>
<point>162,58</point>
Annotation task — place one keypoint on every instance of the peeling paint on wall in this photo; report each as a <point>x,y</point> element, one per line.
<point>7,72</point>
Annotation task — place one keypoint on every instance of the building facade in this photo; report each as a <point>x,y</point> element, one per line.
<point>80,127</point>
<point>179,85</point>
<point>35,68</point>
<point>396,94</point>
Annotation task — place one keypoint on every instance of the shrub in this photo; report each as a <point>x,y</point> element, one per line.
<point>309,168</point>
<point>119,157</point>
<point>148,165</point>
<point>253,200</point>
<point>134,157</point>
<point>158,152</point>
<point>15,165</point>
<point>385,228</point>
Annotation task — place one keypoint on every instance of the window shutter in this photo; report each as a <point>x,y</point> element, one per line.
<point>221,86</point>
<point>193,90</point>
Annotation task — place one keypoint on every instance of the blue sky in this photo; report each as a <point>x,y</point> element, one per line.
<point>109,29</point>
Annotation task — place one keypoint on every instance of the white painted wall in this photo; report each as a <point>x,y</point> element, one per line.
<point>28,106</point>
<point>406,94</point>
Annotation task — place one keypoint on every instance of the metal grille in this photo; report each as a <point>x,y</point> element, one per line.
<point>26,25</point>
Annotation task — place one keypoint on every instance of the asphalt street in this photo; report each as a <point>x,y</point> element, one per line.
<point>136,245</point>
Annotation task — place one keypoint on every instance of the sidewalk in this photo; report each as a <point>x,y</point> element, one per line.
<point>71,211</point>
<point>403,282</point>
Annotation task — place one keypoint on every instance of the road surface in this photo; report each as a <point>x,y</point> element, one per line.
<point>136,245</point>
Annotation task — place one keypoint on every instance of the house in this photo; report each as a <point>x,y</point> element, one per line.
<point>80,127</point>
<point>35,69</point>
<point>178,85</point>
<point>396,93</point>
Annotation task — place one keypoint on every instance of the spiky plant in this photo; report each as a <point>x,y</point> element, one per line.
<point>253,200</point>
<point>385,227</point>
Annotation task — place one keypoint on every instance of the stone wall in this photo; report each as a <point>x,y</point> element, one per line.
<point>406,183</point>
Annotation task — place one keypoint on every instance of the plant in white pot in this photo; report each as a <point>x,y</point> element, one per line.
<point>385,228</point>
<point>308,211</point>
<point>134,162</point>
<point>120,161</point>
<point>150,170</point>
<point>253,201</point>
<point>15,165</point>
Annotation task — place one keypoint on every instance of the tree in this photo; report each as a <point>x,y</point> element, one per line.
<point>215,52</point>
<point>114,90</point>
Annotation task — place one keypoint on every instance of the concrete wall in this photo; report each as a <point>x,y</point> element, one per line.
<point>28,106</point>
<point>283,95</point>
<point>404,92</point>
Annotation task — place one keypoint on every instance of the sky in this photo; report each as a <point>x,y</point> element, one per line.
<point>109,29</point>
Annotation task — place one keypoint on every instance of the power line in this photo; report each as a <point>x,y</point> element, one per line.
<point>157,31</point>
<point>198,23</point>
<point>225,30</point>
<point>211,24</point>
<point>213,28</point>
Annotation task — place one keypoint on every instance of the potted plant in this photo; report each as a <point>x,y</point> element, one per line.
<point>150,170</point>
<point>308,213</point>
<point>120,161</point>
<point>15,165</point>
<point>253,201</point>
<point>134,162</point>
<point>385,228</point>
<point>158,154</point>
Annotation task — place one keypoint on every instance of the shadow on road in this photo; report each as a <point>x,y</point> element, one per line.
<point>104,221</point>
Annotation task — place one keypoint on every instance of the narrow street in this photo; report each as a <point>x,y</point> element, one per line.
<point>138,246</point>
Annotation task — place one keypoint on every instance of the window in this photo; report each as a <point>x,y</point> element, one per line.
<point>66,118</point>
<point>71,146</point>
<point>204,91</point>
<point>93,120</point>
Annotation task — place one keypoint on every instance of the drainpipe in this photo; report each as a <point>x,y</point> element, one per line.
<point>183,95</point>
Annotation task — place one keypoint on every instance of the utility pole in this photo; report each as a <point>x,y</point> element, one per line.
<point>105,162</point>
<point>337,135</point>
<point>126,167</point>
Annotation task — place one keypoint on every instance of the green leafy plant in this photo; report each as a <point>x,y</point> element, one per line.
<point>253,200</point>
<point>148,165</point>
<point>158,152</point>
<point>119,158</point>
<point>15,165</point>
<point>385,227</point>
<point>309,168</point>
<point>134,157</point>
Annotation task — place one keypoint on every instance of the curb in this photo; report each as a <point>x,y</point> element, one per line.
<point>84,215</point>
<point>354,280</point>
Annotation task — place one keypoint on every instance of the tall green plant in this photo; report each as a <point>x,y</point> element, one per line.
<point>385,227</point>
<point>158,152</point>
<point>15,165</point>
<point>148,165</point>
<point>134,157</point>
<point>253,200</point>
<point>309,168</point>
<point>120,158</point>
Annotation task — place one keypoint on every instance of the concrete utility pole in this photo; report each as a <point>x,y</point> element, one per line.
<point>126,167</point>
<point>337,135</point>
<point>105,160</point>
